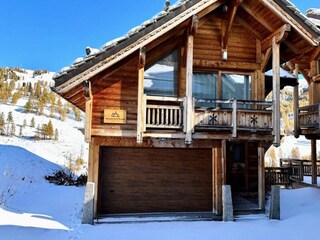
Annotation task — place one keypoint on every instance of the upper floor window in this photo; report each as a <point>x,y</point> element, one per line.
<point>236,86</point>
<point>161,79</point>
<point>204,86</point>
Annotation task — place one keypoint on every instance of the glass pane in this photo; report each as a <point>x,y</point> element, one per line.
<point>236,86</point>
<point>204,86</point>
<point>162,77</point>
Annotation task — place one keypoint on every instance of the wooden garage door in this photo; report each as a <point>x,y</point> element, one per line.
<point>137,180</point>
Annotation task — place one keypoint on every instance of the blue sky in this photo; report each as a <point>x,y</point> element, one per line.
<point>50,34</point>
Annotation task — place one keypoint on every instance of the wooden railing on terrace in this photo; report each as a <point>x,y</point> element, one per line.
<point>234,115</point>
<point>299,168</point>
<point>164,112</point>
<point>309,118</point>
<point>277,176</point>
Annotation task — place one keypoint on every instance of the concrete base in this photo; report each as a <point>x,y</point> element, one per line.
<point>88,208</point>
<point>275,203</point>
<point>227,214</point>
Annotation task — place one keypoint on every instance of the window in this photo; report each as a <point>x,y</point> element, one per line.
<point>236,86</point>
<point>204,86</point>
<point>161,79</point>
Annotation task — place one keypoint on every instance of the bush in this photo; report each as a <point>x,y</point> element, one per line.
<point>61,177</point>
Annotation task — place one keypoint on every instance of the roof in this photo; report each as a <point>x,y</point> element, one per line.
<point>314,15</point>
<point>112,49</point>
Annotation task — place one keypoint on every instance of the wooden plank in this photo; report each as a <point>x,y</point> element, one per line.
<point>141,109</point>
<point>93,172</point>
<point>276,90</point>
<point>265,59</point>
<point>249,27</point>
<point>229,65</point>
<point>296,104</point>
<point>189,99</point>
<point>88,121</point>
<point>314,161</point>
<point>261,178</point>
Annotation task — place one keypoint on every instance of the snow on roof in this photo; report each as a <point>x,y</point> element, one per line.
<point>176,6</point>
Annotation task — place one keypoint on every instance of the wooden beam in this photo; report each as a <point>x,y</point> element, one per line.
<point>87,91</point>
<point>209,64</point>
<point>141,108</point>
<point>261,178</point>
<point>276,90</point>
<point>189,98</point>
<point>93,171</point>
<point>211,8</point>
<point>265,59</point>
<point>257,17</point>
<point>315,55</point>
<point>278,35</point>
<point>314,161</point>
<point>233,7</point>
<point>296,103</point>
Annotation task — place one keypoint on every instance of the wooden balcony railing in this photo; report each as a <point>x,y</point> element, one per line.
<point>233,115</point>
<point>299,168</point>
<point>309,119</point>
<point>277,176</point>
<point>164,112</point>
<point>230,116</point>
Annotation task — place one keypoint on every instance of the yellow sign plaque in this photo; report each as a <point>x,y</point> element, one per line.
<point>115,116</point>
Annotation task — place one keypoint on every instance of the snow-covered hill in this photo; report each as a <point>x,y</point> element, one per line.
<point>70,144</point>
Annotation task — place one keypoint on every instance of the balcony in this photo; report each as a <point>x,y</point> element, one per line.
<point>229,117</point>
<point>308,120</point>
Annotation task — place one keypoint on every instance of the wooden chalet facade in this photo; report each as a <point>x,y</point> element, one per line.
<point>176,108</point>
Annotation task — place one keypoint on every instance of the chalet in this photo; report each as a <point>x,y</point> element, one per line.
<point>175,109</point>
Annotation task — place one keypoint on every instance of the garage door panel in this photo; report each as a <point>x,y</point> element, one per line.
<point>155,180</point>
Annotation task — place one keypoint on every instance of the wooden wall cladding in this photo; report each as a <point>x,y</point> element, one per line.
<point>119,92</point>
<point>136,180</point>
<point>207,42</point>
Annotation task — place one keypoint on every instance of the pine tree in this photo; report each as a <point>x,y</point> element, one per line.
<point>15,97</point>
<point>28,106</point>
<point>56,135</point>
<point>77,114</point>
<point>20,132</point>
<point>24,123</point>
<point>9,122</point>
<point>44,131</point>
<point>52,109</point>
<point>12,129</point>
<point>32,123</point>
<point>49,129</point>
<point>63,114</point>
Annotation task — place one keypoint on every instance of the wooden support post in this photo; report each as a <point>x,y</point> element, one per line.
<point>234,118</point>
<point>314,161</point>
<point>87,91</point>
<point>141,107</point>
<point>217,178</point>
<point>296,104</point>
<point>276,91</point>
<point>189,72</point>
<point>261,178</point>
<point>93,171</point>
